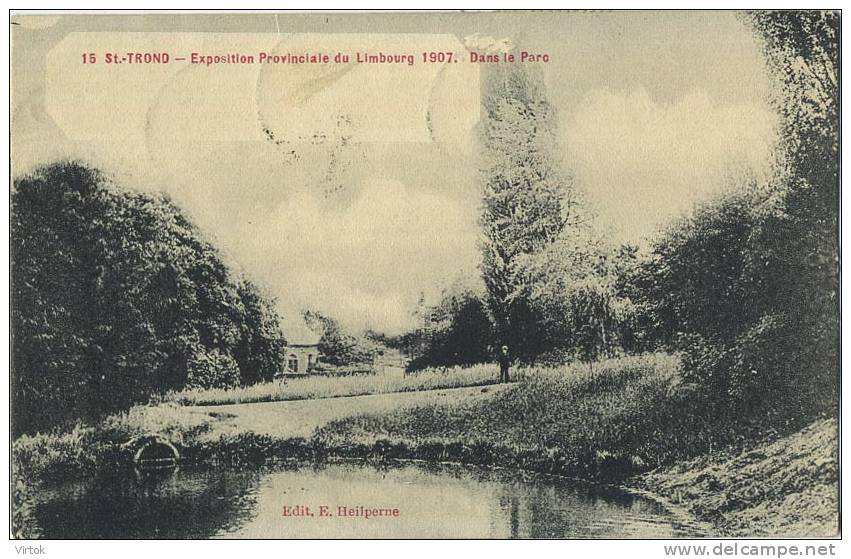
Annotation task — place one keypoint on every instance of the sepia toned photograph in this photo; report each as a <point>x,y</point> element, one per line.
<point>424,275</point>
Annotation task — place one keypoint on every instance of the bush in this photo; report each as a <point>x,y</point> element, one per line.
<point>337,347</point>
<point>23,522</point>
<point>211,369</point>
<point>458,332</point>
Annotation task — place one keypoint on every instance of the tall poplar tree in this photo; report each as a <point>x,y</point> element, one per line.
<point>524,195</point>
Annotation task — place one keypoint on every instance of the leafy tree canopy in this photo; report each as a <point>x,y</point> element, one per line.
<point>116,296</point>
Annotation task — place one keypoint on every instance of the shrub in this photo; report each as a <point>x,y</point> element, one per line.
<point>211,369</point>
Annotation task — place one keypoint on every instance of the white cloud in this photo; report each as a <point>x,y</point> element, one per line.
<point>643,162</point>
<point>367,262</point>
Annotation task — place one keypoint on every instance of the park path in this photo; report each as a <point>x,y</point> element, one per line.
<point>300,418</point>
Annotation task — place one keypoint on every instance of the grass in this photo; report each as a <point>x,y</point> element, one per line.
<point>563,407</point>
<point>58,453</point>
<point>314,387</point>
<point>627,416</point>
<point>82,448</point>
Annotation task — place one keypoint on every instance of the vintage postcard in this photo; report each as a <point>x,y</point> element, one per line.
<point>437,275</point>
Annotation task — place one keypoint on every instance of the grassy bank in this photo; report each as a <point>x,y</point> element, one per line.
<point>314,387</point>
<point>630,422</point>
<point>786,487</point>
<point>83,448</point>
<point>628,417</point>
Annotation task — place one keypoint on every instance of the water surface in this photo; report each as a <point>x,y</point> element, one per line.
<point>404,500</point>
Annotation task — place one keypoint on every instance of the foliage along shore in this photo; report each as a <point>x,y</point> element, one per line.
<point>629,417</point>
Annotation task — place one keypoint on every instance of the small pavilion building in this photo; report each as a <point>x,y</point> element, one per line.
<point>302,352</point>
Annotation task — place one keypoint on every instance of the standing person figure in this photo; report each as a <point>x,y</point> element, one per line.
<point>504,364</point>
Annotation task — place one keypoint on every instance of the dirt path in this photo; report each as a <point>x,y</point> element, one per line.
<point>300,418</point>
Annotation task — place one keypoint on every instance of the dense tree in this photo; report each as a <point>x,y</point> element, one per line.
<point>115,297</point>
<point>747,287</point>
<point>802,49</point>
<point>526,199</point>
<point>455,331</point>
<point>261,347</point>
<point>720,286</point>
<point>337,346</point>
<point>575,294</point>
<point>695,277</point>
<point>594,321</point>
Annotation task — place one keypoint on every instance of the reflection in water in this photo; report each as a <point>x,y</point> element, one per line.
<point>128,503</point>
<point>433,501</point>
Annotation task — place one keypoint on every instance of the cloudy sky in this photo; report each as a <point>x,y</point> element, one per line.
<point>353,189</point>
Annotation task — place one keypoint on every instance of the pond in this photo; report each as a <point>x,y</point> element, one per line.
<point>346,500</point>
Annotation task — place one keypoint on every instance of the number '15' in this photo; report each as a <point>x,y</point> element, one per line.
<point>89,58</point>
